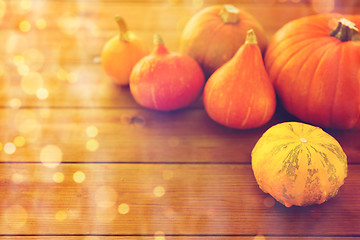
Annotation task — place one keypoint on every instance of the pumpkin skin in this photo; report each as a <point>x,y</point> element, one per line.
<point>299,164</point>
<point>239,94</point>
<point>166,80</point>
<point>213,35</point>
<point>120,53</point>
<point>316,75</point>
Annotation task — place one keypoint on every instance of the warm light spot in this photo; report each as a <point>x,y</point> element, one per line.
<point>62,74</point>
<point>79,177</point>
<point>31,83</point>
<point>24,26</point>
<point>159,235</point>
<point>23,70</point>
<point>2,9</point>
<point>15,103</point>
<point>41,24</point>
<point>9,148</point>
<point>19,141</point>
<point>26,4</point>
<point>167,174</point>
<point>51,156</point>
<point>159,191</point>
<point>72,77</point>
<point>15,216</point>
<point>91,131</point>
<point>197,3</point>
<point>123,208</point>
<point>92,145</point>
<point>61,215</point>
<point>42,93</point>
<point>105,197</point>
<point>269,202</point>
<point>18,60</point>
<point>17,178</point>
<point>303,140</point>
<point>58,177</point>
<point>259,237</point>
<point>323,6</point>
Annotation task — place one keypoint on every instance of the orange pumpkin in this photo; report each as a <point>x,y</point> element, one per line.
<point>239,94</point>
<point>213,35</point>
<point>314,64</point>
<point>166,80</point>
<point>299,164</point>
<point>120,54</point>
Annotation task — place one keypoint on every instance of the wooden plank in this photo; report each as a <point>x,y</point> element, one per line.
<point>161,237</point>
<point>173,199</point>
<point>138,135</point>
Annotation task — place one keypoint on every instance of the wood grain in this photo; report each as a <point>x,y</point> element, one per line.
<point>191,200</point>
<point>143,174</point>
<point>139,135</point>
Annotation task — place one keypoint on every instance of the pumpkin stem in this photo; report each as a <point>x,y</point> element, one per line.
<point>346,31</point>
<point>251,37</point>
<point>159,45</point>
<point>229,14</point>
<point>123,31</point>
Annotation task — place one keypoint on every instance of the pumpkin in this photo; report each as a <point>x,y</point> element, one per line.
<point>166,80</point>
<point>299,164</point>
<point>314,65</point>
<point>213,35</point>
<point>120,54</point>
<point>239,94</point>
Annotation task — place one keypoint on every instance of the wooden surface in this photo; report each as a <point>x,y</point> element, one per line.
<point>91,164</point>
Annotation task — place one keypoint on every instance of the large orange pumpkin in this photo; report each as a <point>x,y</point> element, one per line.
<point>299,164</point>
<point>314,64</point>
<point>213,35</point>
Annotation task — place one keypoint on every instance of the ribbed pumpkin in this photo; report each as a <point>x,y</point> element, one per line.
<point>314,63</point>
<point>214,34</point>
<point>299,164</point>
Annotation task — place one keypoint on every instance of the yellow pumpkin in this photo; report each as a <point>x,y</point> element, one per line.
<point>299,164</point>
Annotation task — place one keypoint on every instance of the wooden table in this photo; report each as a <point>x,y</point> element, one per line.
<point>119,171</point>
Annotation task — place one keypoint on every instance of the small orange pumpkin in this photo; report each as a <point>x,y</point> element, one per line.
<point>298,164</point>
<point>239,94</point>
<point>166,80</point>
<point>314,64</point>
<point>120,54</point>
<point>213,35</point>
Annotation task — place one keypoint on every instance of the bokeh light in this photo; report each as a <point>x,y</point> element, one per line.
<point>17,178</point>
<point>31,82</point>
<point>9,148</point>
<point>123,208</point>
<point>41,24</point>
<point>91,131</point>
<point>61,215</point>
<point>19,141</point>
<point>159,191</point>
<point>15,103</point>
<point>42,93</point>
<point>92,145</point>
<point>51,156</point>
<point>24,26</point>
<point>79,177</point>
<point>159,235</point>
<point>58,177</point>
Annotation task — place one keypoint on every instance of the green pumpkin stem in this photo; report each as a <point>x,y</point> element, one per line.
<point>123,31</point>
<point>251,37</point>
<point>229,14</point>
<point>346,31</point>
<point>158,40</point>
